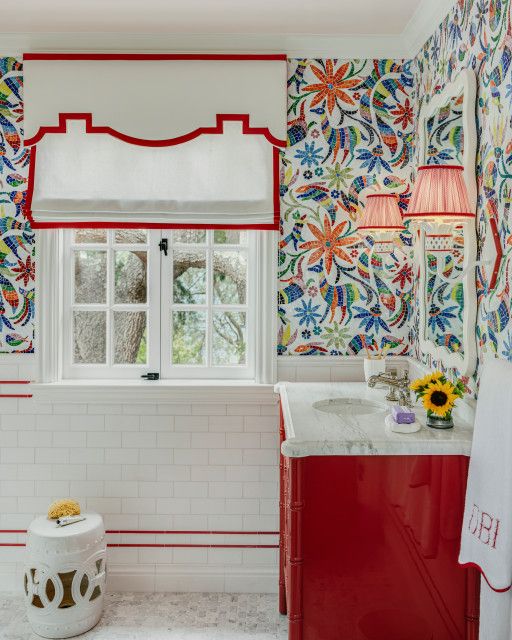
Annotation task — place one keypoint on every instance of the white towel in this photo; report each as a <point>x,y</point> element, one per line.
<point>486,541</point>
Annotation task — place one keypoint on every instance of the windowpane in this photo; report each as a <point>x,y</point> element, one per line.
<point>130,277</point>
<point>229,236</point>
<point>90,337</point>
<point>90,277</point>
<point>91,236</point>
<point>189,337</point>
<point>189,276</point>
<point>190,236</point>
<point>229,277</point>
<point>130,337</point>
<point>131,236</point>
<point>229,338</point>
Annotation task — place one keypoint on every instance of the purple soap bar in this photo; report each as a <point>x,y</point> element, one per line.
<point>402,415</point>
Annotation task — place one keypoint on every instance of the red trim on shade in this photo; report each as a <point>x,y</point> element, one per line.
<point>440,214</point>
<point>154,56</point>
<point>440,166</point>
<point>382,195</point>
<point>473,565</point>
<point>90,128</point>
<point>217,129</point>
<point>383,228</point>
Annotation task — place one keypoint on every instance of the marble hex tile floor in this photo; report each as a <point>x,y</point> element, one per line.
<point>166,616</point>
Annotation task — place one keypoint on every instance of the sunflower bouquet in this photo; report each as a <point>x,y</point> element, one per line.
<point>438,396</point>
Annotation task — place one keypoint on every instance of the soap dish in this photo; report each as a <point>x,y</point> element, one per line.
<point>401,428</point>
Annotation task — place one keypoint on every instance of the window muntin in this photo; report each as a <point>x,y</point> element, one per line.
<point>110,303</point>
<point>129,309</point>
<point>207,316</point>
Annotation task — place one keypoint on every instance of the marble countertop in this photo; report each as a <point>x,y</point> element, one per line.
<point>311,432</point>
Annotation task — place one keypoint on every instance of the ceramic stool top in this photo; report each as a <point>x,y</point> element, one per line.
<point>73,536</point>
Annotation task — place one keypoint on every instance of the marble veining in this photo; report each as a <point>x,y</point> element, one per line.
<point>348,418</point>
<point>167,616</point>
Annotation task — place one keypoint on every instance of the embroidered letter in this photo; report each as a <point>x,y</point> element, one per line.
<point>484,527</point>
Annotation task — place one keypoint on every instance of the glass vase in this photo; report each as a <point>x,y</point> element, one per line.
<point>437,422</point>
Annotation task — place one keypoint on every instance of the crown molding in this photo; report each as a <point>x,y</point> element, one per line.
<point>425,20</point>
<point>293,45</point>
<point>423,23</point>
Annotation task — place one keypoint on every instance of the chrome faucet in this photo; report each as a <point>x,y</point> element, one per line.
<point>396,384</point>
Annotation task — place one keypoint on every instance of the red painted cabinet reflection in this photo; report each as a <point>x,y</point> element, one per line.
<point>369,546</point>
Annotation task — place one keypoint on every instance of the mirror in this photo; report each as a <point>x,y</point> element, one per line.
<point>447,252</point>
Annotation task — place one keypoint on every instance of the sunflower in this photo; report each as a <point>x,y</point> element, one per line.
<point>421,383</point>
<point>439,398</point>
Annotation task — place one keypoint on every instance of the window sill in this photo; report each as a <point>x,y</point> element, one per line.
<point>161,391</point>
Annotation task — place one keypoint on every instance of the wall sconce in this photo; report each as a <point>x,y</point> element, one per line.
<point>382,217</point>
<point>440,196</point>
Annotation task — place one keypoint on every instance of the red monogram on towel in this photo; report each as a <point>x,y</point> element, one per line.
<point>484,526</point>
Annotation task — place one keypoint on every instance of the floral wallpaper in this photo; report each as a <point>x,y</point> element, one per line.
<point>16,238</point>
<point>350,131</point>
<point>478,34</point>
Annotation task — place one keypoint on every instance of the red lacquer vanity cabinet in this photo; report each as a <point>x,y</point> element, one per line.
<point>369,546</point>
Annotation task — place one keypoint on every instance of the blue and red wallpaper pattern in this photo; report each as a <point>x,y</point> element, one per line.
<point>477,34</point>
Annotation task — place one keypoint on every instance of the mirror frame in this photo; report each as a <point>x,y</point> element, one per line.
<point>465,363</point>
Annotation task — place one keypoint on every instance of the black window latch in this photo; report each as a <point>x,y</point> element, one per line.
<point>164,245</point>
<point>151,376</point>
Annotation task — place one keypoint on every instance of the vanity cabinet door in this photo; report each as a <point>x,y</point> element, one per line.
<point>372,547</point>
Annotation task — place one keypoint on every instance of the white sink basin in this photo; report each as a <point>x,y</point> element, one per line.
<point>350,406</point>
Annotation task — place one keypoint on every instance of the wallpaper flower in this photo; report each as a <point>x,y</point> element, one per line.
<point>17,270</point>
<point>349,132</point>
<point>477,34</point>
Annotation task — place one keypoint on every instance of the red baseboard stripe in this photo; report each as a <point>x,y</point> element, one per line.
<point>195,533</point>
<point>171,545</point>
<point>15,395</point>
<point>171,532</point>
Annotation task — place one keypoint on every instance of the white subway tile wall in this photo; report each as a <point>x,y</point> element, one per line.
<point>145,467</point>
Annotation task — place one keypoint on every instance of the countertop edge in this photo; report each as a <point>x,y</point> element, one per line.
<point>292,447</point>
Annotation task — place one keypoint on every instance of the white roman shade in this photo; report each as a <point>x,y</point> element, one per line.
<point>150,140</point>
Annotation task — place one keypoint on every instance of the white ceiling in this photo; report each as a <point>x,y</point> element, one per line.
<point>300,28</point>
<point>326,17</point>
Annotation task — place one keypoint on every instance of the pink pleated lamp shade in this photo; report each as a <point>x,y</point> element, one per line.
<point>381,213</point>
<point>440,195</point>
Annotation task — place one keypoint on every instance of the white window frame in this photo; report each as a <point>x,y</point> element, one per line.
<point>71,370</point>
<point>178,371</point>
<point>50,335</point>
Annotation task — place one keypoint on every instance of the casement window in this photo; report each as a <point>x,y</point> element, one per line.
<point>156,222</point>
<point>180,303</point>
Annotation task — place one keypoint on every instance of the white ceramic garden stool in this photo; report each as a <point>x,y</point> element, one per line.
<point>65,574</point>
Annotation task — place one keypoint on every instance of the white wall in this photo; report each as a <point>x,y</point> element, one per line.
<point>197,467</point>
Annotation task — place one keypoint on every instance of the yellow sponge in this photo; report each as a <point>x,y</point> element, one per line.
<point>65,507</point>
